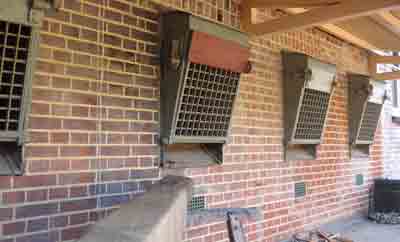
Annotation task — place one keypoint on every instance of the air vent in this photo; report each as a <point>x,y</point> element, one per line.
<point>299,189</point>
<point>308,88</point>
<point>201,67</point>
<point>197,203</point>
<point>359,179</point>
<point>366,99</point>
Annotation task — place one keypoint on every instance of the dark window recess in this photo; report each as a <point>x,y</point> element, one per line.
<point>299,189</point>
<point>359,179</point>
<point>15,44</point>
<point>197,203</point>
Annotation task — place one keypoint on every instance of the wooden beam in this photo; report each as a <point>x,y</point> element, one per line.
<point>395,75</point>
<point>389,21</point>
<point>379,59</point>
<point>339,32</point>
<point>330,14</point>
<point>289,3</point>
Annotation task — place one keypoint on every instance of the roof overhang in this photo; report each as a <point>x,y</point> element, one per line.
<point>370,24</point>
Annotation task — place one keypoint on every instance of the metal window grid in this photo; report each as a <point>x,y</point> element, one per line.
<point>207,101</point>
<point>14,51</point>
<point>197,203</point>
<point>312,115</point>
<point>369,122</point>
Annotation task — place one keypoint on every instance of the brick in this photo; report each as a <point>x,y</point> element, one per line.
<point>62,56</point>
<point>51,236</point>
<point>6,214</point>
<point>35,166</point>
<point>38,225</point>
<point>73,233</point>
<point>77,178</point>
<point>37,195</point>
<point>79,191</point>
<point>78,205</point>
<point>110,201</point>
<point>44,123</point>
<point>58,193</point>
<point>36,210</point>
<point>14,228</point>
<point>144,174</point>
<point>58,221</point>
<point>114,175</point>
<point>13,197</point>
<point>80,218</point>
<point>34,181</point>
<point>115,151</point>
<point>39,137</point>
<point>77,124</point>
<point>78,151</point>
<point>70,31</point>
<point>53,41</point>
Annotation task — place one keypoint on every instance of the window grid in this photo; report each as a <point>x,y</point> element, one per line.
<point>14,48</point>
<point>207,101</point>
<point>369,122</point>
<point>312,115</point>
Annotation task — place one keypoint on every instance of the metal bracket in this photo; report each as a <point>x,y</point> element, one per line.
<point>38,8</point>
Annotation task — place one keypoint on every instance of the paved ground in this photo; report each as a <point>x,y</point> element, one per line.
<point>364,230</point>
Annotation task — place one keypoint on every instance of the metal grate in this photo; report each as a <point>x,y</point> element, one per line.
<point>299,189</point>
<point>14,49</point>
<point>312,115</point>
<point>359,179</point>
<point>197,203</point>
<point>369,122</point>
<point>207,101</point>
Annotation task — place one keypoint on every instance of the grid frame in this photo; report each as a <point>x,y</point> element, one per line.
<point>15,47</point>
<point>369,122</point>
<point>312,115</point>
<point>206,103</point>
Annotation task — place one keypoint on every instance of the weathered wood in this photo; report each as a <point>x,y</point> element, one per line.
<point>395,75</point>
<point>215,52</point>
<point>290,3</point>
<point>330,14</point>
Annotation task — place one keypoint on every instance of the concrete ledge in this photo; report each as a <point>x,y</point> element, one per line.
<point>158,215</point>
<point>217,214</point>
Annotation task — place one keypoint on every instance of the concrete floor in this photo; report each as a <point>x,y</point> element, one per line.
<point>364,230</point>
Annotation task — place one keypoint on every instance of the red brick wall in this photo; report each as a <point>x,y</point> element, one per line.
<point>94,127</point>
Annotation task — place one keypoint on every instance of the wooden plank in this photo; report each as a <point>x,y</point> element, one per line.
<point>330,14</point>
<point>395,75</point>
<point>376,34</point>
<point>349,36</point>
<point>290,3</point>
<point>378,59</point>
<point>389,21</point>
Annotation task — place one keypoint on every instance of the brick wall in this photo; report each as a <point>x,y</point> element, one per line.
<point>94,126</point>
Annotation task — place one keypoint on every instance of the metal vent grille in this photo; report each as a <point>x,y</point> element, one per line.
<point>312,115</point>
<point>299,189</point>
<point>207,101</point>
<point>14,49</point>
<point>359,179</point>
<point>197,203</point>
<point>369,122</point>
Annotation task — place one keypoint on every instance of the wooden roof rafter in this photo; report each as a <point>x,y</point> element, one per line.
<point>316,16</point>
